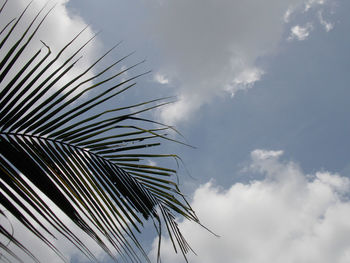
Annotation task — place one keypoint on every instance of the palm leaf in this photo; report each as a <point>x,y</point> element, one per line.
<point>90,162</point>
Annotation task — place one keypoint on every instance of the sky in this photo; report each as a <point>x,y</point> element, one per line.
<point>262,90</point>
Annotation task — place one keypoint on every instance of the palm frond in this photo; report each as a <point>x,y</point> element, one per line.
<point>57,143</point>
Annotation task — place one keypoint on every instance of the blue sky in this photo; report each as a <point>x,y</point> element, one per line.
<point>263,90</point>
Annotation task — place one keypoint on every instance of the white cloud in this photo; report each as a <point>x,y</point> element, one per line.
<point>180,110</point>
<point>162,79</point>
<point>58,29</point>
<point>328,26</point>
<point>311,3</point>
<point>287,14</point>
<point>300,32</point>
<point>211,45</point>
<point>264,154</point>
<point>41,251</point>
<point>244,80</point>
<point>151,163</point>
<point>287,217</point>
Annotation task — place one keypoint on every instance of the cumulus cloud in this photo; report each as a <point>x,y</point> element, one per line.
<point>288,216</point>
<point>213,46</point>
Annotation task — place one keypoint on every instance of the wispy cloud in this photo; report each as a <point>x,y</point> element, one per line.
<point>328,26</point>
<point>312,3</point>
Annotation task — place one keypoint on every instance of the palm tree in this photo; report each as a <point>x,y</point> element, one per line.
<point>92,164</point>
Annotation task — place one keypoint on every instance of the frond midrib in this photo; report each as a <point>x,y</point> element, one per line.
<point>49,139</point>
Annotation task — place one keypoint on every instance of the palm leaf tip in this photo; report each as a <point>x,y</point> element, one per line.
<point>90,163</point>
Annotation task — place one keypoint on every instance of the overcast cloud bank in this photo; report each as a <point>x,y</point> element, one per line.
<point>214,47</point>
<point>287,217</point>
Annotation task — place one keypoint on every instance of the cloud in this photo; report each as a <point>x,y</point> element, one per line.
<point>212,47</point>
<point>182,109</point>
<point>300,32</point>
<point>162,79</point>
<point>328,26</point>
<point>258,155</point>
<point>286,217</point>
<point>42,252</point>
<point>311,3</point>
<point>287,14</point>
<point>245,79</point>
<point>58,29</point>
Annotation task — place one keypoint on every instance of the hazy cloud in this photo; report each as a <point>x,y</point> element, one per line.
<point>286,217</point>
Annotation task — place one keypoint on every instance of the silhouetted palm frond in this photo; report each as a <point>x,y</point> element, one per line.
<point>56,144</point>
